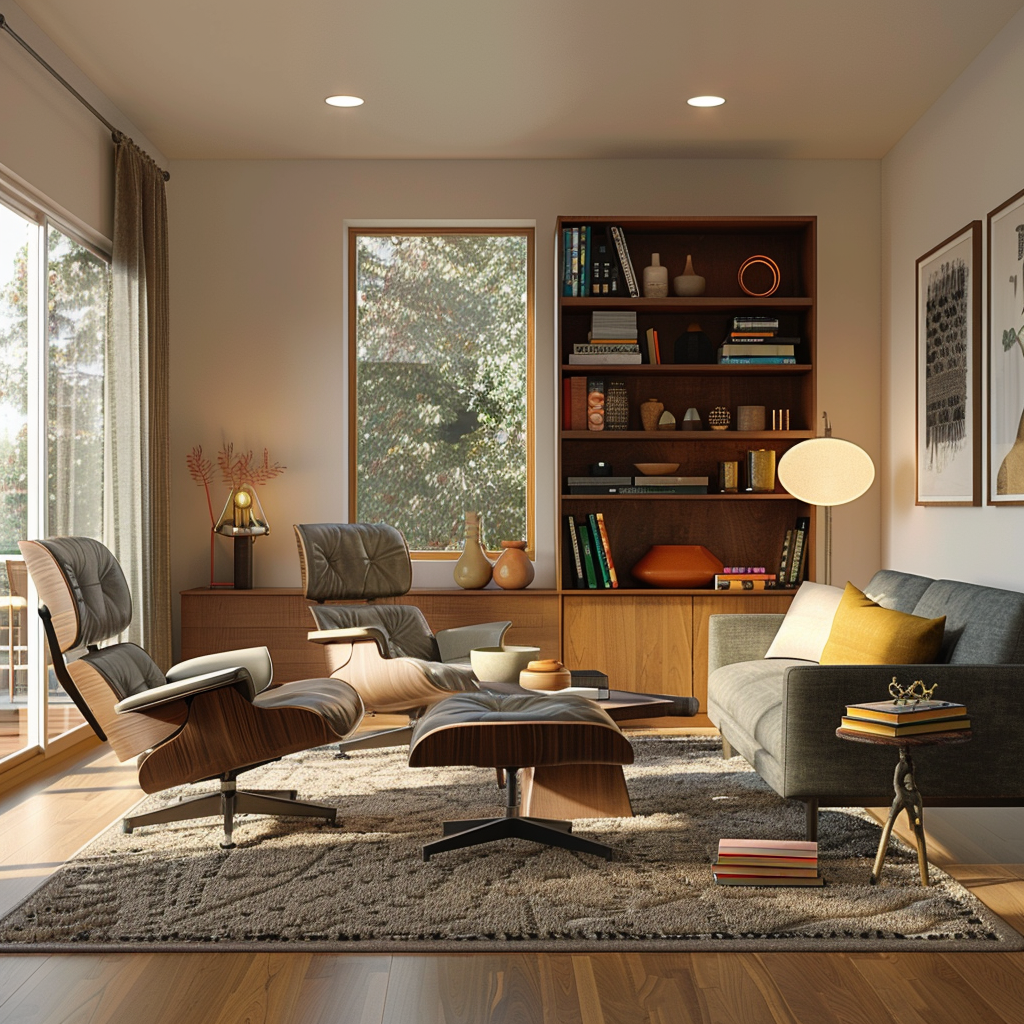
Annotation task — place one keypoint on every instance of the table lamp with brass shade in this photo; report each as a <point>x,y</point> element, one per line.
<point>826,471</point>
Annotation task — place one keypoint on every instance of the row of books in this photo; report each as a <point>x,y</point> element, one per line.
<point>766,862</point>
<point>745,581</point>
<point>793,557</point>
<point>890,718</point>
<point>590,553</point>
<point>594,261</point>
<point>754,340</point>
<point>637,484</point>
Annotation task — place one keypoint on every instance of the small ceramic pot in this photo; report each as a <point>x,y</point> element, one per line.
<point>501,664</point>
<point>545,675</point>
<point>689,283</point>
<point>513,570</point>
<point>655,279</point>
<point>682,566</point>
<point>650,413</point>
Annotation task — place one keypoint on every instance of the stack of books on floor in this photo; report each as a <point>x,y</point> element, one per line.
<point>887,718</point>
<point>754,340</point>
<point>766,862</point>
<point>612,339</point>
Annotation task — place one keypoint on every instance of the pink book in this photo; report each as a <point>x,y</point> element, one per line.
<point>769,845</point>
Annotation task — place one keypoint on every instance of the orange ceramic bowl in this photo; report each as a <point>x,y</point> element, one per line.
<point>679,566</point>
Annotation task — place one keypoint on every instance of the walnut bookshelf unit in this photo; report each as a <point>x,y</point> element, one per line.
<point>742,528</point>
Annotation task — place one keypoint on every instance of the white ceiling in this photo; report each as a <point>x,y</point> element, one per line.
<point>209,79</point>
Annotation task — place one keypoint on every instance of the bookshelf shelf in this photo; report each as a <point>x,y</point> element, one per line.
<point>684,370</point>
<point>633,625</point>
<point>682,436</point>
<point>600,499</point>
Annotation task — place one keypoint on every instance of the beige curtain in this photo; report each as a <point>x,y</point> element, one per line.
<point>137,521</point>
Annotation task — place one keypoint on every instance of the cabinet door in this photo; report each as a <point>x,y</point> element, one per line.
<point>642,643</point>
<point>704,608</point>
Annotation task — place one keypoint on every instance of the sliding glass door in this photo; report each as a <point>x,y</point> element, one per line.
<point>53,302</point>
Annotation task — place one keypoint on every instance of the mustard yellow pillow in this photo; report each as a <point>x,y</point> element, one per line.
<point>865,633</point>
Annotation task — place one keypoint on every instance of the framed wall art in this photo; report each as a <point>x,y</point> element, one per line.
<point>1006,353</point>
<point>949,371</point>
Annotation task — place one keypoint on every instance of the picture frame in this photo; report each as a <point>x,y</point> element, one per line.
<point>948,392</point>
<point>1006,352</point>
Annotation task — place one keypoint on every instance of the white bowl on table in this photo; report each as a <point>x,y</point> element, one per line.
<point>501,664</point>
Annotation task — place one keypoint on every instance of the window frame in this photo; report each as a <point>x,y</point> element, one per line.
<point>525,229</point>
<point>43,214</point>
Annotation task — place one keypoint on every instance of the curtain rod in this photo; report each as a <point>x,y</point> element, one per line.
<point>67,85</point>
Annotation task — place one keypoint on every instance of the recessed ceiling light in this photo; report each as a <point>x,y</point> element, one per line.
<point>344,101</point>
<point>705,101</point>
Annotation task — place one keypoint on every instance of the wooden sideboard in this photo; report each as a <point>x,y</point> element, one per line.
<point>651,641</point>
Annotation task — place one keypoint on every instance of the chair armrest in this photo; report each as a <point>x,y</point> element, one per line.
<point>736,638</point>
<point>455,644</point>
<point>256,660</point>
<point>157,695</point>
<point>353,635</point>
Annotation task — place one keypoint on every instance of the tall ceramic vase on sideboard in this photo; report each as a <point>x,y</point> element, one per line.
<point>473,569</point>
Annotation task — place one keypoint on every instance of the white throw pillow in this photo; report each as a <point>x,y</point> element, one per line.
<point>805,629</point>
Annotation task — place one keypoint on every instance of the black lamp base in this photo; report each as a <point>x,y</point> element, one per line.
<point>243,563</point>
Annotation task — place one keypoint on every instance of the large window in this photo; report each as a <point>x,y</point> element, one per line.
<point>53,307</point>
<point>441,342</point>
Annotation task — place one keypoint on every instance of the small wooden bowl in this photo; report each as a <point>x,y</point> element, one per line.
<point>545,675</point>
<point>656,468</point>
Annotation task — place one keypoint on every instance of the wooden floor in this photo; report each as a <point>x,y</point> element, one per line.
<point>48,820</point>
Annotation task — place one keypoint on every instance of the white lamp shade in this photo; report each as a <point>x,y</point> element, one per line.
<point>826,471</point>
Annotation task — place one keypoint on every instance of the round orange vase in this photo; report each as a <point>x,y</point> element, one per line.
<point>513,570</point>
<point>679,566</point>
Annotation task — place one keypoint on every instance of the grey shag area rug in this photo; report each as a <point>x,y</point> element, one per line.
<point>363,886</point>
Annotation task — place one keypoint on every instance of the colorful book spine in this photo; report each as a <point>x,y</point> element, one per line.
<point>606,544</point>
<point>744,584</point>
<point>584,261</point>
<point>589,568</point>
<point>627,264</point>
<point>575,257</point>
<point>567,262</point>
<point>796,561</point>
<point>578,578</point>
<point>595,400</point>
<point>784,557</point>
<point>578,403</point>
<point>600,558</point>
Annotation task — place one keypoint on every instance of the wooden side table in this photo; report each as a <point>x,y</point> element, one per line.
<point>908,796</point>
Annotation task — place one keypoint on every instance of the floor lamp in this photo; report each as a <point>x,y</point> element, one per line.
<point>826,471</point>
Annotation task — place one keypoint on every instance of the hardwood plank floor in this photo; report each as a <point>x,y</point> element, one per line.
<point>47,820</point>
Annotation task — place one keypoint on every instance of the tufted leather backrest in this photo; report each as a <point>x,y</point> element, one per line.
<point>82,585</point>
<point>350,561</point>
<point>405,626</point>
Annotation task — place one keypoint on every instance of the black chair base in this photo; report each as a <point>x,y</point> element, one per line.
<point>473,831</point>
<point>228,802</point>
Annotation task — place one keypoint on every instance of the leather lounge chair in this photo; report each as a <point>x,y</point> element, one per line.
<point>386,651</point>
<point>208,718</point>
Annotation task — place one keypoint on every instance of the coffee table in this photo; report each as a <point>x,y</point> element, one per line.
<point>592,790</point>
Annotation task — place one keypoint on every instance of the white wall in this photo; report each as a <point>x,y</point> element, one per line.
<point>963,158</point>
<point>49,142</point>
<point>257,329</point>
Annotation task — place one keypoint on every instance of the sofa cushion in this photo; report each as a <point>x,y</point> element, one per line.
<point>865,633</point>
<point>808,622</point>
<point>900,590</point>
<point>984,625</point>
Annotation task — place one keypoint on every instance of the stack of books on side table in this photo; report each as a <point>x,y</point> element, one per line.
<point>766,862</point>
<point>889,718</point>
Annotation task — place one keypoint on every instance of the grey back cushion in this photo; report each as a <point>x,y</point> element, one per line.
<point>899,591</point>
<point>126,668</point>
<point>97,586</point>
<point>347,561</point>
<point>408,634</point>
<point>984,625</point>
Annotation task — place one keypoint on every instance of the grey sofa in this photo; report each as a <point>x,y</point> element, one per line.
<point>781,715</point>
